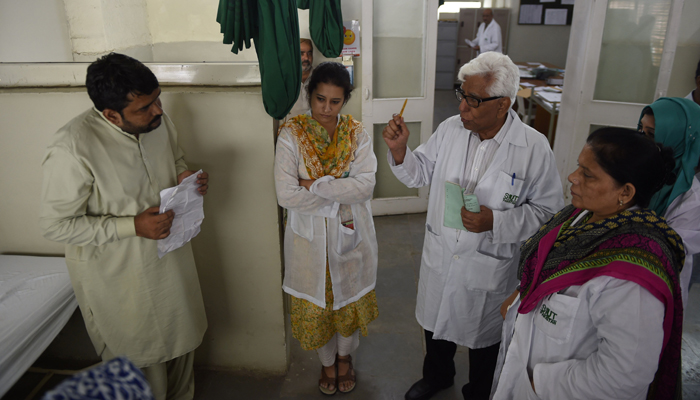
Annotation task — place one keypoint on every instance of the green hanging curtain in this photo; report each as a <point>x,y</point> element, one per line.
<point>325,25</point>
<point>239,22</point>
<point>274,27</point>
<point>279,55</point>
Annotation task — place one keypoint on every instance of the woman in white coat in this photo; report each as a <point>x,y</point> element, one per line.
<point>324,176</point>
<point>675,122</point>
<point>600,312</point>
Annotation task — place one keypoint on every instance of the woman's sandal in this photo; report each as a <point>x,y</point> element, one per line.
<point>328,381</point>
<point>348,377</point>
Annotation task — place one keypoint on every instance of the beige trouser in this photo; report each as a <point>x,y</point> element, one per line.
<point>171,380</point>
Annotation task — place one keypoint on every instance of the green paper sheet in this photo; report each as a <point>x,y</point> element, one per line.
<point>455,199</point>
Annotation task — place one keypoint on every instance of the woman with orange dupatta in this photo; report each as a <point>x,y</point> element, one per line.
<point>599,314</point>
<point>324,175</point>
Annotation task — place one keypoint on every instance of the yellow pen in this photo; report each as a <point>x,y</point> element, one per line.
<point>402,108</point>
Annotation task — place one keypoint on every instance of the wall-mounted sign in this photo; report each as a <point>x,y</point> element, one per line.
<point>351,38</point>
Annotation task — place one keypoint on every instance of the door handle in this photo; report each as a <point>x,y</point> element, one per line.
<point>366,93</point>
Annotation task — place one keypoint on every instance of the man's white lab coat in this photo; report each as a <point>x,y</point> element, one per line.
<point>465,276</point>
<point>488,38</point>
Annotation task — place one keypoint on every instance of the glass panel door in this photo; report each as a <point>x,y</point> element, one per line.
<point>630,53</point>
<point>399,50</point>
<point>619,60</point>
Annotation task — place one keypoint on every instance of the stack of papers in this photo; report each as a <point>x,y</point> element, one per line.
<point>526,74</point>
<point>188,205</point>
<point>551,97</point>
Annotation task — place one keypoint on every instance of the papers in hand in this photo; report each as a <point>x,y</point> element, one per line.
<point>455,199</point>
<point>470,43</point>
<point>188,205</point>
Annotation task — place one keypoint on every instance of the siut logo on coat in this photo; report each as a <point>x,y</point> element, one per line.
<point>510,198</point>
<point>548,315</point>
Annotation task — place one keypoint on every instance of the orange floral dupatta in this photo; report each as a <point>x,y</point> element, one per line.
<point>323,155</point>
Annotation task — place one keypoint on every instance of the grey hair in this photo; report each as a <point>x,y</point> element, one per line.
<point>499,68</point>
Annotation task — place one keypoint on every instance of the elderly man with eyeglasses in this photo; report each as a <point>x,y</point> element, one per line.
<point>466,274</point>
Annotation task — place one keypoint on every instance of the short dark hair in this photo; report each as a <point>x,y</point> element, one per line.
<point>331,73</point>
<point>629,157</point>
<point>697,70</point>
<point>112,77</point>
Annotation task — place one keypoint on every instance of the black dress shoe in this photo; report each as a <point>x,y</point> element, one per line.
<point>468,393</point>
<point>422,390</point>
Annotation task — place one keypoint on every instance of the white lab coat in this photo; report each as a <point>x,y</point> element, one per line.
<point>488,38</point>
<point>314,231</point>
<point>465,276</point>
<point>683,215</point>
<point>605,344</point>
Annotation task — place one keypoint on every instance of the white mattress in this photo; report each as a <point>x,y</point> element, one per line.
<point>36,301</point>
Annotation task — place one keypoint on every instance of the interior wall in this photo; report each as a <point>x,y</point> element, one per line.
<point>38,25</point>
<point>227,133</point>
<point>540,43</point>
<point>687,55</point>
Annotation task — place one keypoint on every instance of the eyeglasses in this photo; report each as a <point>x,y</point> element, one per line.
<point>473,102</point>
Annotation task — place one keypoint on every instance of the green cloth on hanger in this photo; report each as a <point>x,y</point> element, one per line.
<point>325,25</point>
<point>239,22</point>
<point>279,55</point>
<point>273,25</point>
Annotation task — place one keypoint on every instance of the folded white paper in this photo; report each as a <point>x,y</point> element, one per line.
<point>188,205</point>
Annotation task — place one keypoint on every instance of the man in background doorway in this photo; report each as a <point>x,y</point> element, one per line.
<point>488,37</point>
<point>307,60</point>
<point>695,94</point>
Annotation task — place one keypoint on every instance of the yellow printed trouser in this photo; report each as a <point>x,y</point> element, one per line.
<point>171,380</point>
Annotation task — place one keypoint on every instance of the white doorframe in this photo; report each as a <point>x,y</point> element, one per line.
<point>418,109</point>
<point>578,108</point>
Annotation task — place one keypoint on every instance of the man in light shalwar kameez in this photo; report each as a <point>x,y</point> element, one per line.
<point>103,173</point>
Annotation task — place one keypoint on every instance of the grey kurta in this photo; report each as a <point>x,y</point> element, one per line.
<point>97,178</point>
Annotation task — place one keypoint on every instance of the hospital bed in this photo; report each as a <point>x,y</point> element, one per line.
<point>36,301</point>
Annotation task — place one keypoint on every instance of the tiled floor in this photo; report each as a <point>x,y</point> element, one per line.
<point>387,362</point>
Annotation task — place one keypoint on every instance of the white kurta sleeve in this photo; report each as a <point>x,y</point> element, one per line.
<point>627,320</point>
<point>358,186</point>
<point>63,217</point>
<point>289,194</point>
<point>543,199</point>
<point>417,168</point>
